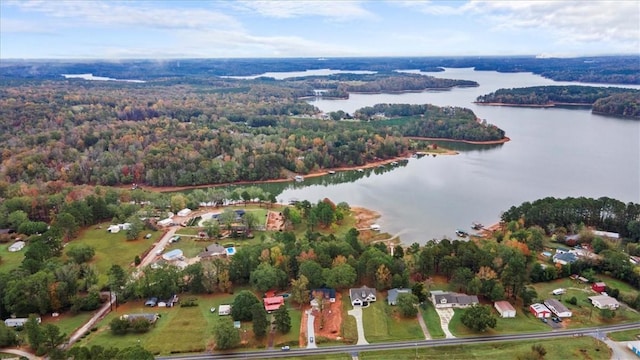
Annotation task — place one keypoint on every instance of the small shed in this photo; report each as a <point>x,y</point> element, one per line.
<point>184,212</point>
<point>598,287</point>
<point>17,246</point>
<point>505,309</point>
<point>539,310</point>
<point>165,222</point>
<point>224,309</point>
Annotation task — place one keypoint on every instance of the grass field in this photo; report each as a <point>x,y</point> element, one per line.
<point>523,322</point>
<point>113,248</point>
<point>583,348</point>
<point>68,323</point>
<point>383,323</point>
<point>432,320</point>
<point>10,260</point>
<point>182,329</point>
<point>629,335</point>
<point>349,328</point>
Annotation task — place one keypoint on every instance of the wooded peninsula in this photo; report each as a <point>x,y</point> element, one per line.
<point>604,100</point>
<point>192,131</point>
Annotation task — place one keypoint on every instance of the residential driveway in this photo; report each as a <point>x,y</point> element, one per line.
<point>619,350</point>
<point>310,331</point>
<point>425,331</point>
<point>159,245</point>
<point>445,317</point>
<point>19,352</point>
<point>356,312</point>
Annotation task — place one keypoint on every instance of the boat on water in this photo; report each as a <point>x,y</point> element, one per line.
<point>375,227</point>
<point>360,170</point>
<point>394,163</point>
<point>299,178</point>
<point>331,172</point>
<point>461,233</point>
<point>476,225</point>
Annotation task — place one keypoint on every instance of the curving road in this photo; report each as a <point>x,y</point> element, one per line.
<point>595,332</point>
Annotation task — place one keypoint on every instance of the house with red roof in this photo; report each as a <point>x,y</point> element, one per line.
<point>273,303</point>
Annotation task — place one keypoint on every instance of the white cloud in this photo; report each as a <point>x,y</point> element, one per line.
<point>8,25</point>
<point>126,13</point>
<point>332,10</point>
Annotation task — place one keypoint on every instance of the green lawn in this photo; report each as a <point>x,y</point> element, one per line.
<point>113,248</point>
<point>349,328</point>
<point>629,335</point>
<point>10,260</point>
<point>182,329</point>
<point>68,323</point>
<point>432,320</point>
<point>383,323</point>
<point>618,284</point>
<point>580,348</point>
<point>523,322</point>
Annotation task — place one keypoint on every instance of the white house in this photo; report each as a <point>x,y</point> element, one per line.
<point>362,296</point>
<point>224,309</point>
<point>558,308</point>
<point>444,299</point>
<point>17,246</point>
<point>18,322</point>
<point>604,302</point>
<point>116,228</point>
<point>539,310</point>
<point>165,222</point>
<point>184,212</point>
<point>505,309</point>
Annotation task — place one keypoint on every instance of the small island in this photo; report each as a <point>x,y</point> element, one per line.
<point>603,100</point>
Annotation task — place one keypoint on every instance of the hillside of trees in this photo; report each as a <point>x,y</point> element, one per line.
<point>593,69</point>
<point>174,133</point>
<point>603,213</point>
<point>610,100</point>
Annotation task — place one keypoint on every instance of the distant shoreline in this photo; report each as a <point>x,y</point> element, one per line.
<point>534,105</point>
<point>488,142</point>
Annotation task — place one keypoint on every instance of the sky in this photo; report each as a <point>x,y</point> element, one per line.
<point>92,29</point>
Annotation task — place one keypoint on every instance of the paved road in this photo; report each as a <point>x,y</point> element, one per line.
<point>349,349</point>
<point>19,353</point>
<point>619,350</point>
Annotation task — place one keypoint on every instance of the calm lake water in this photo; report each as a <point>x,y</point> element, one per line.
<point>553,152</point>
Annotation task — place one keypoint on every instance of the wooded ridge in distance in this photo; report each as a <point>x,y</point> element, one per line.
<point>605,100</point>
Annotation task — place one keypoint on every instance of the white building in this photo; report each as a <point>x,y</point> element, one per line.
<point>184,212</point>
<point>224,310</point>
<point>505,309</point>
<point>558,308</point>
<point>604,302</point>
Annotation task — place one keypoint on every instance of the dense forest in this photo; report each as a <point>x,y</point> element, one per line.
<point>610,100</point>
<point>603,213</point>
<point>595,69</point>
<point>179,133</point>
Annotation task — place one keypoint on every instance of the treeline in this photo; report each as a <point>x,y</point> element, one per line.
<point>548,95</point>
<point>626,104</point>
<point>594,69</point>
<point>430,121</point>
<point>110,134</point>
<point>603,213</point>
<point>404,82</point>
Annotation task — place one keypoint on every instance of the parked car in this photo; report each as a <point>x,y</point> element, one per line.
<point>148,236</point>
<point>311,340</point>
<point>285,348</point>
<point>544,320</point>
<point>554,319</point>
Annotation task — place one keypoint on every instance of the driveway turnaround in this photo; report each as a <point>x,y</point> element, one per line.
<point>356,312</point>
<point>311,341</point>
<point>445,316</point>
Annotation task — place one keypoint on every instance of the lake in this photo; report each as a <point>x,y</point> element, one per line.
<point>555,152</point>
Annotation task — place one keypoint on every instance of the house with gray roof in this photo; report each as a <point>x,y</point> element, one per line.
<point>565,258</point>
<point>445,299</point>
<point>362,296</point>
<point>213,250</point>
<point>392,295</point>
<point>558,308</point>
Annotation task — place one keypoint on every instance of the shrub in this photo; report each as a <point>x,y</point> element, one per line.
<point>573,301</point>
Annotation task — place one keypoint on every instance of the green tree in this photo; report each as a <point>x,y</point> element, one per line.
<point>528,295</point>
<point>8,336</point>
<point>135,228</point>
<point>16,218</point>
<point>313,272</point>
<point>66,225</point>
<point>266,277</point>
<point>282,320</point>
<point>607,314</point>
<point>478,318</point>
<point>419,291</point>
<point>81,253</point>
<point>474,286</point>
<point>226,335</point>
<point>52,337</point>
<point>35,335</point>
<point>119,326</point>
<point>241,309</point>
<point>340,277</point>
<point>134,353</point>
<point>260,322</point>
<point>300,290</point>
<point>407,305</point>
